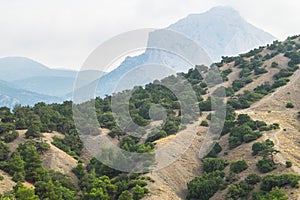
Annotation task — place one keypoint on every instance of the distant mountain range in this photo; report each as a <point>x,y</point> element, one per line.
<point>24,81</point>
<point>10,96</point>
<point>219,31</point>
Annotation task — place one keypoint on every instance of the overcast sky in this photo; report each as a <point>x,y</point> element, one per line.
<point>62,33</point>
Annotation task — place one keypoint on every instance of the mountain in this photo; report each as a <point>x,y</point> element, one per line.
<point>10,96</point>
<point>219,32</point>
<point>56,85</point>
<point>18,68</point>
<point>51,85</point>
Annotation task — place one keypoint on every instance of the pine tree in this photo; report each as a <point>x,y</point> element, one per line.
<point>16,167</point>
<point>33,164</point>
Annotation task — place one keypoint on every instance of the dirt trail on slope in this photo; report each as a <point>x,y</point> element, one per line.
<point>271,109</point>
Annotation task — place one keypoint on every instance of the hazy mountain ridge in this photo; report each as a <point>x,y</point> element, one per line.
<point>18,68</point>
<point>10,96</point>
<point>220,31</point>
<point>24,81</point>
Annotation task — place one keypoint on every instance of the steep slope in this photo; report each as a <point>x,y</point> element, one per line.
<point>271,108</point>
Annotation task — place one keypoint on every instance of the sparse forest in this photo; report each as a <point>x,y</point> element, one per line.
<point>95,180</point>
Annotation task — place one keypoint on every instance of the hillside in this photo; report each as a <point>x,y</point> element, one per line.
<point>251,149</point>
<point>271,109</point>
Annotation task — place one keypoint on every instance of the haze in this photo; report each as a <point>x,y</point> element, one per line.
<point>61,34</point>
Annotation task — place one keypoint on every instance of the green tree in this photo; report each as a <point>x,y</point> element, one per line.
<point>265,165</point>
<point>16,167</point>
<point>270,181</point>
<point>288,164</point>
<point>214,151</point>
<point>253,179</point>
<point>138,192</point>
<point>204,123</point>
<point>95,194</point>
<point>33,131</point>
<point>239,190</point>
<point>24,193</point>
<point>205,186</point>
<point>289,105</point>
<point>6,115</point>
<point>46,190</point>
<point>213,164</point>
<point>9,137</point>
<point>238,166</point>
<point>275,194</point>
<point>4,151</point>
<point>243,118</point>
<point>125,195</point>
<point>6,127</point>
<point>33,164</point>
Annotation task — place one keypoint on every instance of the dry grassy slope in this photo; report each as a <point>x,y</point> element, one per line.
<point>267,77</point>
<point>56,159</point>
<point>53,159</point>
<point>170,182</point>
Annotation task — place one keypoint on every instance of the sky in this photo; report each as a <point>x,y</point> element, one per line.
<point>62,33</point>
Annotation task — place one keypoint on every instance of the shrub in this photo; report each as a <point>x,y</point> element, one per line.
<point>260,71</point>
<point>239,190</point>
<point>238,166</point>
<point>289,105</point>
<point>275,193</point>
<point>270,181</point>
<point>204,123</point>
<point>156,136</point>
<point>205,186</point>
<point>263,148</point>
<point>125,195</point>
<point>4,151</point>
<point>280,82</point>
<point>274,64</point>
<point>215,150</point>
<point>253,179</point>
<point>250,137</point>
<point>33,132</point>
<point>213,164</point>
<point>265,165</point>
<point>9,137</point>
<point>138,192</point>
<point>288,164</point>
